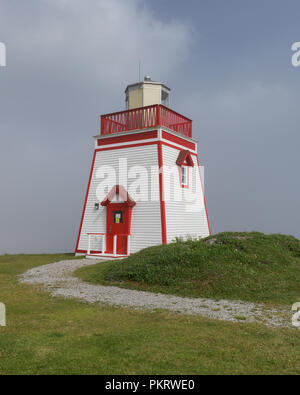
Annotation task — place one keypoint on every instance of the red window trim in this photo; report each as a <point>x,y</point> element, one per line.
<point>184,160</point>
<point>185,157</point>
<point>187,185</point>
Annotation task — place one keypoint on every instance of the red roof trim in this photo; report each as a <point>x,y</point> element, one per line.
<point>184,158</point>
<point>178,140</point>
<point>127,138</point>
<point>118,190</point>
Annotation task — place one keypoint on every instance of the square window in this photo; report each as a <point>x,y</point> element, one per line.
<point>184,175</point>
<point>118,217</point>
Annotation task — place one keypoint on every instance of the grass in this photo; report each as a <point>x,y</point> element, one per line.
<point>46,335</point>
<point>247,266</point>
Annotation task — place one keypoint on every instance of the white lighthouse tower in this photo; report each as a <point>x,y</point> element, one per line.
<point>145,184</point>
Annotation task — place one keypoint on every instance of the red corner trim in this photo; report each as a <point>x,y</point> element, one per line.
<point>203,196</point>
<point>85,200</point>
<point>180,177</point>
<point>161,191</point>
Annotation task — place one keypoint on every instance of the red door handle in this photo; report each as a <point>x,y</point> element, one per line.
<point>110,229</point>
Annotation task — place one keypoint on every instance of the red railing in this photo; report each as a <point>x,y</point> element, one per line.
<point>145,117</point>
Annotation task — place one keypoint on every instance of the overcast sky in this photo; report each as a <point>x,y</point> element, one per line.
<point>228,64</point>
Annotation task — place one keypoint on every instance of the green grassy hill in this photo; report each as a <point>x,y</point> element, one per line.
<point>47,335</point>
<point>247,266</point>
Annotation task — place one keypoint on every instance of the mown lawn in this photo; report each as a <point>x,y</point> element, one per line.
<point>46,335</point>
<point>246,266</point>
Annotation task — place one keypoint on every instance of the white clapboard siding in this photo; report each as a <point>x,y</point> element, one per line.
<point>146,219</point>
<point>183,218</point>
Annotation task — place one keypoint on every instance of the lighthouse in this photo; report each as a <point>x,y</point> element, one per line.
<point>145,186</point>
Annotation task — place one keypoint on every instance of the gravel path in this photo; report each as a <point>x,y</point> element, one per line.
<point>58,279</point>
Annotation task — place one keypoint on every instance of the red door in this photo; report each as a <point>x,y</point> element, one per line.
<point>117,224</point>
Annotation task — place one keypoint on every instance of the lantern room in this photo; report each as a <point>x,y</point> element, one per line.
<point>146,93</point>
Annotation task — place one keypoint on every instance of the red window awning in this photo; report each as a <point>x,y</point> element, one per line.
<point>121,191</point>
<point>185,158</point>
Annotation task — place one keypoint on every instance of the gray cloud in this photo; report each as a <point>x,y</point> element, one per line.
<point>67,64</point>
<point>69,61</point>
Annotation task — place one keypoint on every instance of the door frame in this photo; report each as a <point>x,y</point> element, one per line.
<point>126,214</point>
<point>127,204</point>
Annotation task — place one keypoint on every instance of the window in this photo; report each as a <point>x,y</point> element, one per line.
<point>165,98</point>
<point>184,162</point>
<point>184,176</point>
<point>118,217</point>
